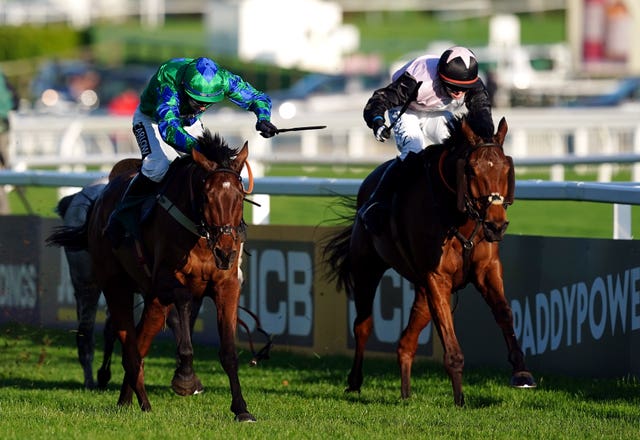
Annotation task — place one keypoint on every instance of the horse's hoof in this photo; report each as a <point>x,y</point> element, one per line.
<point>523,379</point>
<point>199,388</point>
<point>186,386</point>
<point>244,417</point>
<point>352,390</point>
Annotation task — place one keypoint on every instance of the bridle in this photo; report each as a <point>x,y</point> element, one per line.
<point>466,203</point>
<point>213,232</point>
<point>210,232</point>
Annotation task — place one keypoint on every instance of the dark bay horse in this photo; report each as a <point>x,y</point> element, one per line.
<point>189,246</point>
<point>74,209</point>
<point>446,222</point>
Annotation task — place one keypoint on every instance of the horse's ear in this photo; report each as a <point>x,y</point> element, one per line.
<point>502,131</point>
<point>468,132</point>
<point>241,158</point>
<point>202,160</point>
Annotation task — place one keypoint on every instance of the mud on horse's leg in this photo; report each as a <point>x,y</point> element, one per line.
<point>408,345</point>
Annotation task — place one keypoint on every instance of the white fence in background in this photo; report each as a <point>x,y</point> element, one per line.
<point>621,195</point>
<point>545,136</point>
<point>537,137</point>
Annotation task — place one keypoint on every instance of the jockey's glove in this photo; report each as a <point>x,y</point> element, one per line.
<point>266,128</point>
<point>380,130</point>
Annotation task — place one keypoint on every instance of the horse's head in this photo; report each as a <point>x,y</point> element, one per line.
<point>222,203</point>
<point>486,181</point>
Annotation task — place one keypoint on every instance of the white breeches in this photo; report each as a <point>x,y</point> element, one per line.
<point>417,130</point>
<point>157,155</point>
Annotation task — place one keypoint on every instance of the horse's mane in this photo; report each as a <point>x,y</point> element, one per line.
<point>216,149</point>
<point>456,138</point>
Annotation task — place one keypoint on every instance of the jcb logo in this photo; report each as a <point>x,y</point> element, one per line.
<point>279,289</point>
<point>391,309</point>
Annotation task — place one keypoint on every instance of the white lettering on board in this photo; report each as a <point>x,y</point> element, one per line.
<point>568,315</point>
<point>18,286</point>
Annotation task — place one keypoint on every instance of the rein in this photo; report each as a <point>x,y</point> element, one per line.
<point>469,208</point>
<point>210,232</point>
<point>263,353</point>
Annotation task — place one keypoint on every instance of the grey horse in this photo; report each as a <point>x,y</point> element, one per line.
<point>74,209</point>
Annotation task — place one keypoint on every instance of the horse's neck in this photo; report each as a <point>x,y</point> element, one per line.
<point>182,185</point>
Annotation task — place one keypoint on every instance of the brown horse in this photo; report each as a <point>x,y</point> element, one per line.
<point>188,246</point>
<point>444,230</point>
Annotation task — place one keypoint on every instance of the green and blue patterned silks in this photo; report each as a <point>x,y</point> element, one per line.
<point>165,99</point>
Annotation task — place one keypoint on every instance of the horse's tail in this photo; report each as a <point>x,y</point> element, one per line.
<point>72,238</point>
<point>336,255</point>
<point>336,252</point>
<point>63,205</point>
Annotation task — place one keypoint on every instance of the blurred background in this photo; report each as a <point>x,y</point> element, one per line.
<point>564,73</point>
<point>95,55</point>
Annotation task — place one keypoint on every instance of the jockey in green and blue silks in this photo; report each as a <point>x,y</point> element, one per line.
<point>167,121</point>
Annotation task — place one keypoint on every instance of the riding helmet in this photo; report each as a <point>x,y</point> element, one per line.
<point>458,67</point>
<point>202,82</point>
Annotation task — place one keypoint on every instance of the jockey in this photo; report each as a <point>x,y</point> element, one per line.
<point>167,122</point>
<point>436,90</point>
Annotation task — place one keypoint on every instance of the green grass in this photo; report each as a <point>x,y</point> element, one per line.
<point>388,34</point>
<point>295,397</point>
<point>393,34</point>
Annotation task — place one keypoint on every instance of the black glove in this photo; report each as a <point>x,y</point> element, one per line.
<point>266,128</point>
<point>380,130</point>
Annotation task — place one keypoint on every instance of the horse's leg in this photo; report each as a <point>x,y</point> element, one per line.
<point>120,304</point>
<point>86,295</point>
<point>150,324</point>
<point>491,286</point>
<point>366,281</point>
<point>226,299</point>
<point>439,299</point>
<point>173,322</point>
<point>408,345</point>
<point>184,381</point>
<point>109,336</point>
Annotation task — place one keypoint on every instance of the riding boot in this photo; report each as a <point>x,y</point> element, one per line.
<point>376,210</point>
<point>139,187</point>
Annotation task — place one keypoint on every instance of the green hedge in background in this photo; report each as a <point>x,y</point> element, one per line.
<point>22,42</point>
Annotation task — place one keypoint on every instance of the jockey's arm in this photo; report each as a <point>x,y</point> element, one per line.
<point>479,106</point>
<point>395,94</point>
